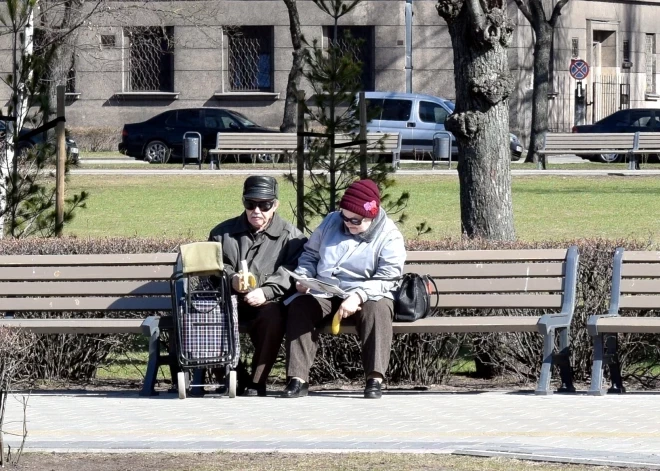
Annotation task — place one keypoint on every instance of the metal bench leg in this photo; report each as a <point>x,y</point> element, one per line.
<point>149,386</point>
<point>563,360</point>
<point>612,356</point>
<point>543,387</point>
<point>596,388</point>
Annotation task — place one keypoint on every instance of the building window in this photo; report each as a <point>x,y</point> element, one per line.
<point>251,59</point>
<point>363,50</point>
<point>626,50</point>
<point>107,40</point>
<point>575,48</point>
<point>649,49</point>
<point>148,59</point>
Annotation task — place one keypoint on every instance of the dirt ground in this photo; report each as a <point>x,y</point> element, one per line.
<point>281,462</point>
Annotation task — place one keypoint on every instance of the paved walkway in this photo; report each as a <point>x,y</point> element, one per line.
<point>623,430</point>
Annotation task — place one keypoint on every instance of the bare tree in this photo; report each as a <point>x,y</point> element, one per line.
<point>293,82</point>
<point>481,32</point>
<point>543,38</point>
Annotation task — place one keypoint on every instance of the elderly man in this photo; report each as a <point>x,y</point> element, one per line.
<point>267,243</point>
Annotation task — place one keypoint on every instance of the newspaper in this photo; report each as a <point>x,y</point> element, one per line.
<point>317,286</point>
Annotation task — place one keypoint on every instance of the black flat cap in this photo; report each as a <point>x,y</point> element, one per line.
<point>259,187</point>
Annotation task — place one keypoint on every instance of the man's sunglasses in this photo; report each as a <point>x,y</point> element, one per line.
<point>354,221</point>
<point>263,205</point>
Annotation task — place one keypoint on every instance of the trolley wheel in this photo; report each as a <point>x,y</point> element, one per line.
<point>231,390</point>
<point>181,383</point>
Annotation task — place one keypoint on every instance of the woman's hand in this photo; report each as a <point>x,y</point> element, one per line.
<point>350,306</point>
<point>301,289</point>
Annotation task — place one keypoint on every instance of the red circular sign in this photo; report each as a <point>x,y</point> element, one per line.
<point>579,69</point>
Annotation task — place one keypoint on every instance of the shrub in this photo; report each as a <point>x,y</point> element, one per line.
<point>96,139</point>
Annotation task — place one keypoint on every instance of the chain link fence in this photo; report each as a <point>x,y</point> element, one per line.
<point>149,54</point>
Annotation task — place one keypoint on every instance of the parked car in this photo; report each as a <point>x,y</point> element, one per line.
<point>161,135</point>
<point>72,151</point>
<point>633,120</point>
<point>417,118</point>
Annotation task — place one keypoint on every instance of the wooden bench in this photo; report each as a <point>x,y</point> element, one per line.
<point>647,143</point>
<point>276,144</point>
<point>635,286</point>
<point>509,280</point>
<point>104,283</point>
<point>589,144</point>
<point>273,144</point>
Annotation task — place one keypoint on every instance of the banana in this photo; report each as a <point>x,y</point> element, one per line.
<point>248,280</point>
<point>336,320</point>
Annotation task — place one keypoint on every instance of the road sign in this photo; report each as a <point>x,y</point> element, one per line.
<point>579,69</point>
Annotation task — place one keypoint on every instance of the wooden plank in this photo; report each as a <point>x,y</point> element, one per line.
<point>639,302</point>
<point>633,286</point>
<point>75,326</point>
<point>500,285</point>
<point>490,270</point>
<point>629,325</point>
<point>155,272</point>
<point>85,288</point>
<point>439,325</point>
<point>88,260</point>
<point>640,270</point>
<point>79,304</point>
<point>641,256</point>
<point>485,255</point>
<point>499,301</point>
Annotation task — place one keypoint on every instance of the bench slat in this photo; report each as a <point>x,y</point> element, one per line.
<point>75,326</point>
<point>85,288</point>
<point>466,324</point>
<point>640,270</point>
<point>639,302</point>
<point>57,304</point>
<point>490,270</point>
<point>88,260</point>
<point>486,255</point>
<point>506,285</point>
<point>500,301</point>
<point>630,325</point>
<point>100,273</point>
<point>641,256</point>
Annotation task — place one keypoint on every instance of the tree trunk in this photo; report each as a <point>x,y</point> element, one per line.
<point>542,48</point>
<point>289,119</point>
<point>481,121</point>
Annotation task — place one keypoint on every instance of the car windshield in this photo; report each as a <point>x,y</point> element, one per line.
<point>243,120</point>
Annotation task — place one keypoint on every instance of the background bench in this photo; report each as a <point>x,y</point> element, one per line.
<point>137,283</point>
<point>635,286</point>
<point>589,144</point>
<point>510,280</point>
<point>377,144</point>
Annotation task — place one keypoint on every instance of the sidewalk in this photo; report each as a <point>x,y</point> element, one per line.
<point>613,430</point>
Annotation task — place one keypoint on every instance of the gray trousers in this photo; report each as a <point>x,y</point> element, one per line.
<point>306,317</point>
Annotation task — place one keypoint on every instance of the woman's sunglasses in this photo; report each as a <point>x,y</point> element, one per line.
<point>354,221</point>
<point>263,205</point>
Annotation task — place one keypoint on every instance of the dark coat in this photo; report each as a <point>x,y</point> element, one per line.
<point>279,245</point>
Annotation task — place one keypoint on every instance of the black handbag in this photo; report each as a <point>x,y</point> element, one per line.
<point>412,300</point>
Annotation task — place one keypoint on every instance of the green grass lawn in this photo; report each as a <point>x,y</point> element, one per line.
<point>545,208</point>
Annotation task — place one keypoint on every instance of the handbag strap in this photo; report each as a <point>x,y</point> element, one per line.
<point>437,294</point>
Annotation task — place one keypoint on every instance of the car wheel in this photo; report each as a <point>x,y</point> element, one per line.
<point>265,158</point>
<point>610,158</point>
<point>156,152</point>
<point>515,157</point>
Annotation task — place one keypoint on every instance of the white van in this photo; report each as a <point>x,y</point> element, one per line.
<point>417,118</point>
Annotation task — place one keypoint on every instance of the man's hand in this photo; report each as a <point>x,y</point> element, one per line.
<point>236,283</point>
<point>301,289</point>
<point>350,306</point>
<point>255,298</point>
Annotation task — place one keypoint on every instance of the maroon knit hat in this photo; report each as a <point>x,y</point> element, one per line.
<point>363,198</point>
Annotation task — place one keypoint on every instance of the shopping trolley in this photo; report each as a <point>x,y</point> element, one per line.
<point>205,315</point>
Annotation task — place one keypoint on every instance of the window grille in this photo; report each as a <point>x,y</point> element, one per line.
<point>358,41</point>
<point>575,48</point>
<point>148,59</point>
<point>251,59</point>
<point>650,63</point>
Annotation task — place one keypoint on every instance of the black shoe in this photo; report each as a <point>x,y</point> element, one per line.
<point>372,390</point>
<point>255,389</point>
<point>295,388</point>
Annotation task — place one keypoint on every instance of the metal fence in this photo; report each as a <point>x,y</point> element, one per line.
<point>250,60</point>
<point>148,59</point>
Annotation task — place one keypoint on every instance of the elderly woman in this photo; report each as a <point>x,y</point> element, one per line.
<point>360,250</point>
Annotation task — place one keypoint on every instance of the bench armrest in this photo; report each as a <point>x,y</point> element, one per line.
<point>592,322</point>
<point>550,322</point>
<point>151,326</point>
